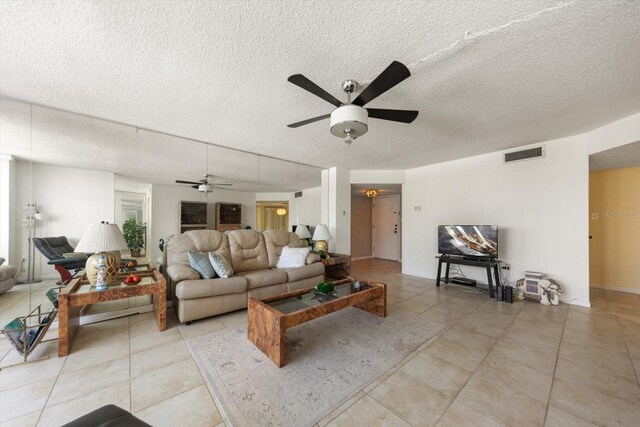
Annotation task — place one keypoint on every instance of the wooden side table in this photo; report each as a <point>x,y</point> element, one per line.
<point>337,266</point>
<point>79,293</point>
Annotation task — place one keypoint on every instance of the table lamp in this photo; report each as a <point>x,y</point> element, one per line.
<point>102,267</point>
<point>303,233</point>
<point>320,236</point>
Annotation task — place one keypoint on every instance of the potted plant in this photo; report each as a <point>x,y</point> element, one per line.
<point>134,232</point>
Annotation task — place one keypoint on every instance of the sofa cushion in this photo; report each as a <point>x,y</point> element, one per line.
<point>179,245</point>
<point>211,241</point>
<point>304,272</point>
<point>179,272</point>
<point>200,288</point>
<point>248,250</point>
<point>220,265</point>
<point>275,240</point>
<point>260,278</point>
<point>199,261</point>
<point>292,257</point>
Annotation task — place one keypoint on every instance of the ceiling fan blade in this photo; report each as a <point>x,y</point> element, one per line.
<point>195,186</point>
<point>186,182</point>
<point>391,76</point>
<point>404,116</point>
<point>308,85</point>
<point>306,122</point>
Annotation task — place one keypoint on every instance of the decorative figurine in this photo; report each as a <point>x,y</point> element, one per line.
<point>101,277</point>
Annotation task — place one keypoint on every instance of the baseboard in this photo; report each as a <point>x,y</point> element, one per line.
<point>361,257</point>
<point>577,302</point>
<point>610,288</point>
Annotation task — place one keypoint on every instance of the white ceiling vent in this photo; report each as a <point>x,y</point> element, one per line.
<point>527,154</point>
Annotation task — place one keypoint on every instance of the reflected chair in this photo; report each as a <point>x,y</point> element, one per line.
<point>53,248</point>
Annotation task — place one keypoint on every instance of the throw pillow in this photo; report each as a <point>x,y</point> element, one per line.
<point>200,262</point>
<point>292,257</point>
<point>220,265</point>
<point>2,260</point>
<point>78,255</point>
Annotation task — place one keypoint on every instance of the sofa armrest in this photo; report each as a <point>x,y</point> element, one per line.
<point>312,257</point>
<point>179,272</point>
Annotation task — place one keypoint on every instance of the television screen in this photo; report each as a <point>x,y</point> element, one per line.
<point>468,240</point>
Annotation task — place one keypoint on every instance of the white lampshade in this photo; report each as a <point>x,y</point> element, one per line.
<point>102,237</point>
<point>321,233</point>
<point>303,232</point>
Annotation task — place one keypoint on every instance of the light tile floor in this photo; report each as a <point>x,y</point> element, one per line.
<point>496,364</point>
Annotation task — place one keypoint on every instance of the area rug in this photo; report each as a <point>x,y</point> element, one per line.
<point>329,360</point>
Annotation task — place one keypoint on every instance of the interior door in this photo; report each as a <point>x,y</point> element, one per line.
<point>386,228</point>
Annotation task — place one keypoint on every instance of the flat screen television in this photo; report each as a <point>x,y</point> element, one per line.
<point>468,240</point>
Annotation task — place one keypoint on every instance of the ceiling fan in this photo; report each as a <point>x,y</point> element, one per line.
<point>350,120</point>
<point>203,185</point>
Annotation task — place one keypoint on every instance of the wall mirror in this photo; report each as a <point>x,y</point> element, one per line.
<point>79,170</point>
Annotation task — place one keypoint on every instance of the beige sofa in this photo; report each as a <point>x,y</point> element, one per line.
<point>253,256</point>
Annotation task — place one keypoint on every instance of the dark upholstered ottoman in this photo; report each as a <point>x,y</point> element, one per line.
<point>107,416</point>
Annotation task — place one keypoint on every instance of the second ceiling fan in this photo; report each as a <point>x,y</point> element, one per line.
<point>204,185</point>
<point>350,120</point>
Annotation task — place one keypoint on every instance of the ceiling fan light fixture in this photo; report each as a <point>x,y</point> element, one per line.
<point>372,192</point>
<point>349,122</point>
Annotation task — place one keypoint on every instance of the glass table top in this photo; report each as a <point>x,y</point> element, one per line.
<point>87,288</point>
<point>312,299</point>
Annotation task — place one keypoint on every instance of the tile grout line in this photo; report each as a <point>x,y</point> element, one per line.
<point>52,388</point>
<point>555,367</point>
<point>626,344</point>
<point>455,398</point>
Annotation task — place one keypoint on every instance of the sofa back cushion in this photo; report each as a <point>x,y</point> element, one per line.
<point>179,245</point>
<point>275,240</point>
<point>248,250</point>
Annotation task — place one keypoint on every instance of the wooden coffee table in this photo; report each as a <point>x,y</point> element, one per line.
<point>271,317</point>
<point>79,293</point>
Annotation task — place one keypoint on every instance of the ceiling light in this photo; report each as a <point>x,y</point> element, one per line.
<point>281,211</point>
<point>372,192</point>
<point>349,122</point>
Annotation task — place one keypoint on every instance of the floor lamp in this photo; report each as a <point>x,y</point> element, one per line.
<point>33,216</point>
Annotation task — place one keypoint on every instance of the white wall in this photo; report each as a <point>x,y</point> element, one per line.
<point>306,209</point>
<point>621,132</point>
<point>539,205</point>
<point>69,199</point>
<point>335,209</point>
<point>165,209</point>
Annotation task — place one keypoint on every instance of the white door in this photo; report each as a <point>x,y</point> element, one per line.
<point>386,228</point>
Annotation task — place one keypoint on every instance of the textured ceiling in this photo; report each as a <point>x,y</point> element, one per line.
<point>626,156</point>
<point>217,72</point>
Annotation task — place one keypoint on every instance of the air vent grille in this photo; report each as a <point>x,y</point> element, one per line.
<point>529,153</point>
<point>298,194</point>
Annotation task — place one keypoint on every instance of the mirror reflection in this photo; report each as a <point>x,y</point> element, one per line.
<point>62,172</point>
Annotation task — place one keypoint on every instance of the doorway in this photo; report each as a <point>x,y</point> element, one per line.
<point>376,221</point>
<point>272,215</point>
<point>386,228</point>
<point>614,218</point>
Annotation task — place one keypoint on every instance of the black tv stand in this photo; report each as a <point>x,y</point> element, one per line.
<point>488,263</point>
